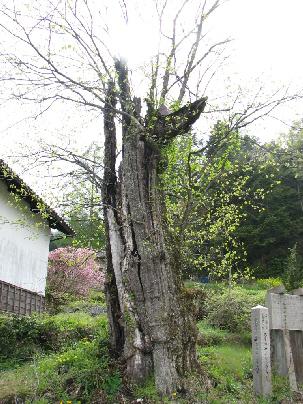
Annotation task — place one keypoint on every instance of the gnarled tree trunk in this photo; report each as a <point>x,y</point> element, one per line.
<point>149,324</point>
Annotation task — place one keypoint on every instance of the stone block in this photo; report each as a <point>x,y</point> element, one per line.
<point>261,351</point>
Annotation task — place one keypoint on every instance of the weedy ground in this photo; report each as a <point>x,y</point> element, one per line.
<point>64,357</point>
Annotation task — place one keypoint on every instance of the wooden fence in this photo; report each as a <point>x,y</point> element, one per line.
<point>14,299</point>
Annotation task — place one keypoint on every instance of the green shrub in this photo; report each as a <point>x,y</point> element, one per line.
<point>21,338</point>
<point>18,337</point>
<point>83,372</point>
<point>195,300</point>
<point>86,304</point>
<point>70,303</point>
<point>209,335</point>
<point>293,275</point>
<point>198,295</point>
<point>268,283</point>
<point>223,308</point>
<point>96,297</point>
<point>231,310</point>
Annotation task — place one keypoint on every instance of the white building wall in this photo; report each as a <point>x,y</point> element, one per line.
<point>24,244</point>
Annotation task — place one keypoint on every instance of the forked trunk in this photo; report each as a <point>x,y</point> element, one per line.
<point>149,325</point>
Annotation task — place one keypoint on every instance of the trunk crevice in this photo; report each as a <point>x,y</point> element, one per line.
<point>158,334</point>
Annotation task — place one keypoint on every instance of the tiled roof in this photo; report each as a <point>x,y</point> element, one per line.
<point>17,186</point>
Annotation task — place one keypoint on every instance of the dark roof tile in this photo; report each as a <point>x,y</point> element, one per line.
<point>17,186</point>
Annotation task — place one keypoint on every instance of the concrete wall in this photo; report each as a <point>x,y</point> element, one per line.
<point>24,244</point>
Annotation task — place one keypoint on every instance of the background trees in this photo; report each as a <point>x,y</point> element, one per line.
<point>81,205</point>
<point>209,190</point>
<point>233,203</point>
<point>75,191</point>
<point>269,235</point>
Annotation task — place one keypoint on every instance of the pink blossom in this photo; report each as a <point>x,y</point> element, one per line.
<point>74,270</point>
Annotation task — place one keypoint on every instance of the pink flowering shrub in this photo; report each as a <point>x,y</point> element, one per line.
<point>73,271</point>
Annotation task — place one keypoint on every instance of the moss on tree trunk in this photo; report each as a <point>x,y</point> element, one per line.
<point>150,327</point>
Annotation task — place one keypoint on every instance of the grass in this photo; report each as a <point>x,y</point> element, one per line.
<point>71,321</point>
<point>229,370</point>
<point>83,305</point>
<point>65,357</point>
<point>147,391</point>
<point>75,374</point>
<point>212,336</point>
<point>57,357</point>
<point>22,339</point>
<point>16,383</point>
<point>225,343</point>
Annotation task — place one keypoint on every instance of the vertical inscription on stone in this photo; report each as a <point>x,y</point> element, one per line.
<point>261,351</point>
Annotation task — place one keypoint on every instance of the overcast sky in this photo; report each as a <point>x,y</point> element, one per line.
<point>266,48</point>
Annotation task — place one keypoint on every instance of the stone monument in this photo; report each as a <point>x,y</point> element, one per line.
<point>261,351</point>
<point>277,339</point>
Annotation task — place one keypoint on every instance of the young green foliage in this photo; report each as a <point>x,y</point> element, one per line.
<point>207,192</point>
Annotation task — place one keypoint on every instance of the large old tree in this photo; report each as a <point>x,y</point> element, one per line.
<point>65,54</point>
<point>149,326</point>
<point>149,323</point>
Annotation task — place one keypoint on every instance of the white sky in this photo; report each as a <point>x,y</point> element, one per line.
<point>267,48</point>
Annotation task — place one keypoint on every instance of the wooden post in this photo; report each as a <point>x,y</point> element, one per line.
<point>261,351</point>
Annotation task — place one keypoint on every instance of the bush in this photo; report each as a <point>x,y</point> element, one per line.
<point>95,300</point>
<point>194,298</point>
<point>293,275</point>
<point>72,274</point>
<point>210,336</point>
<point>223,308</point>
<point>18,338</point>
<point>82,372</point>
<point>231,310</point>
<point>64,357</point>
<point>268,283</point>
<point>22,338</point>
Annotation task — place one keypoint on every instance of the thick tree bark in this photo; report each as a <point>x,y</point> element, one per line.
<point>165,335</point>
<point>113,234</point>
<point>149,323</point>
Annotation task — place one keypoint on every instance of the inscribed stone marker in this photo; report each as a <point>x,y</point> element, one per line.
<point>261,351</point>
